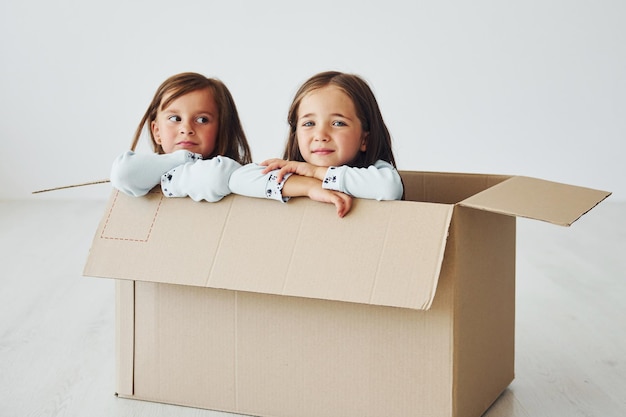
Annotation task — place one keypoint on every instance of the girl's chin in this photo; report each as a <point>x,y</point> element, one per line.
<point>190,148</point>
<point>324,161</point>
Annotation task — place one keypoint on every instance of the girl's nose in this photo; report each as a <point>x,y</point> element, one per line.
<point>321,135</point>
<point>186,129</point>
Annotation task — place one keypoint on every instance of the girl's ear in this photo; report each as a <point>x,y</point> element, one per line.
<point>363,147</point>
<point>155,131</point>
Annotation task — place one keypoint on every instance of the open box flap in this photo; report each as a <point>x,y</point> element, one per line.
<point>533,198</point>
<point>383,253</point>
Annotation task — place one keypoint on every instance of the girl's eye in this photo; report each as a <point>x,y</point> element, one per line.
<point>339,123</point>
<point>202,120</point>
<point>174,118</point>
<point>308,124</point>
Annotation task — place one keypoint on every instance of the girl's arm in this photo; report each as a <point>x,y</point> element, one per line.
<point>251,180</point>
<point>298,185</point>
<point>136,174</point>
<point>205,179</point>
<point>380,181</point>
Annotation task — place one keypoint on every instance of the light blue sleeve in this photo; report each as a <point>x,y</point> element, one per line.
<point>380,181</point>
<point>136,174</point>
<point>205,179</point>
<point>250,181</point>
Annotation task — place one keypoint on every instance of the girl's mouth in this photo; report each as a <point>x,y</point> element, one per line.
<point>322,151</point>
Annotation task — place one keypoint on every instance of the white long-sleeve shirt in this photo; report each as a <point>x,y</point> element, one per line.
<point>380,181</point>
<point>180,174</point>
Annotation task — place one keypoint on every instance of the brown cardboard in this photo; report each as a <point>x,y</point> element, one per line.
<point>295,249</point>
<point>402,308</point>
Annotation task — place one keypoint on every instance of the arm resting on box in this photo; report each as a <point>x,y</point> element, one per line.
<point>380,181</point>
<point>136,174</point>
<point>205,179</point>
<point>249,180</point>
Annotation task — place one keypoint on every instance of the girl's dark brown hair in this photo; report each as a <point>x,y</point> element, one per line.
<point>378,139</point>
<point>231,140</point>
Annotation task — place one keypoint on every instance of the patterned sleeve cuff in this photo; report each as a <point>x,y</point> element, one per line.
<point>274,189</point>
<point>332,180</point>
<point>168,187</point>
<point>192,157</point>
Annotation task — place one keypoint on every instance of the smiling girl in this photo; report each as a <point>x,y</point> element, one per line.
<point>197,138</point>
<point>338,148</point>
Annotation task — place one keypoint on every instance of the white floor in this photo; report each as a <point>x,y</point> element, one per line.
<point>57,327</point>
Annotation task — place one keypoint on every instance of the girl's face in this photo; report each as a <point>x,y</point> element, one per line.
<point>190,122</point>
<point>328,131</point>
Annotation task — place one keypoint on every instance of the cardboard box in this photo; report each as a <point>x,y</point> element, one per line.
<point>402,308</point>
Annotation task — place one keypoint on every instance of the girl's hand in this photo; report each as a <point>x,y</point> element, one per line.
<point>300,168</point>
<point>343,202</point>
<point>300,186</point>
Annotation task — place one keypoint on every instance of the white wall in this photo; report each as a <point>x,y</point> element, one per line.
<point>526,87</point>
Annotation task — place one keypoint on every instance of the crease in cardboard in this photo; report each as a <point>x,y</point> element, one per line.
<point>442,253</point>
<point>156,214</point>
<point>216,256</point>
<point>486,182</point>
<point>125,325</point>
<point>113,236</point>
<point>283,290</point>
<point>236,350</point>
<point>134,320</point>
<point>378,265</point>
<point>424,196</point>
<point>108,218</point>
